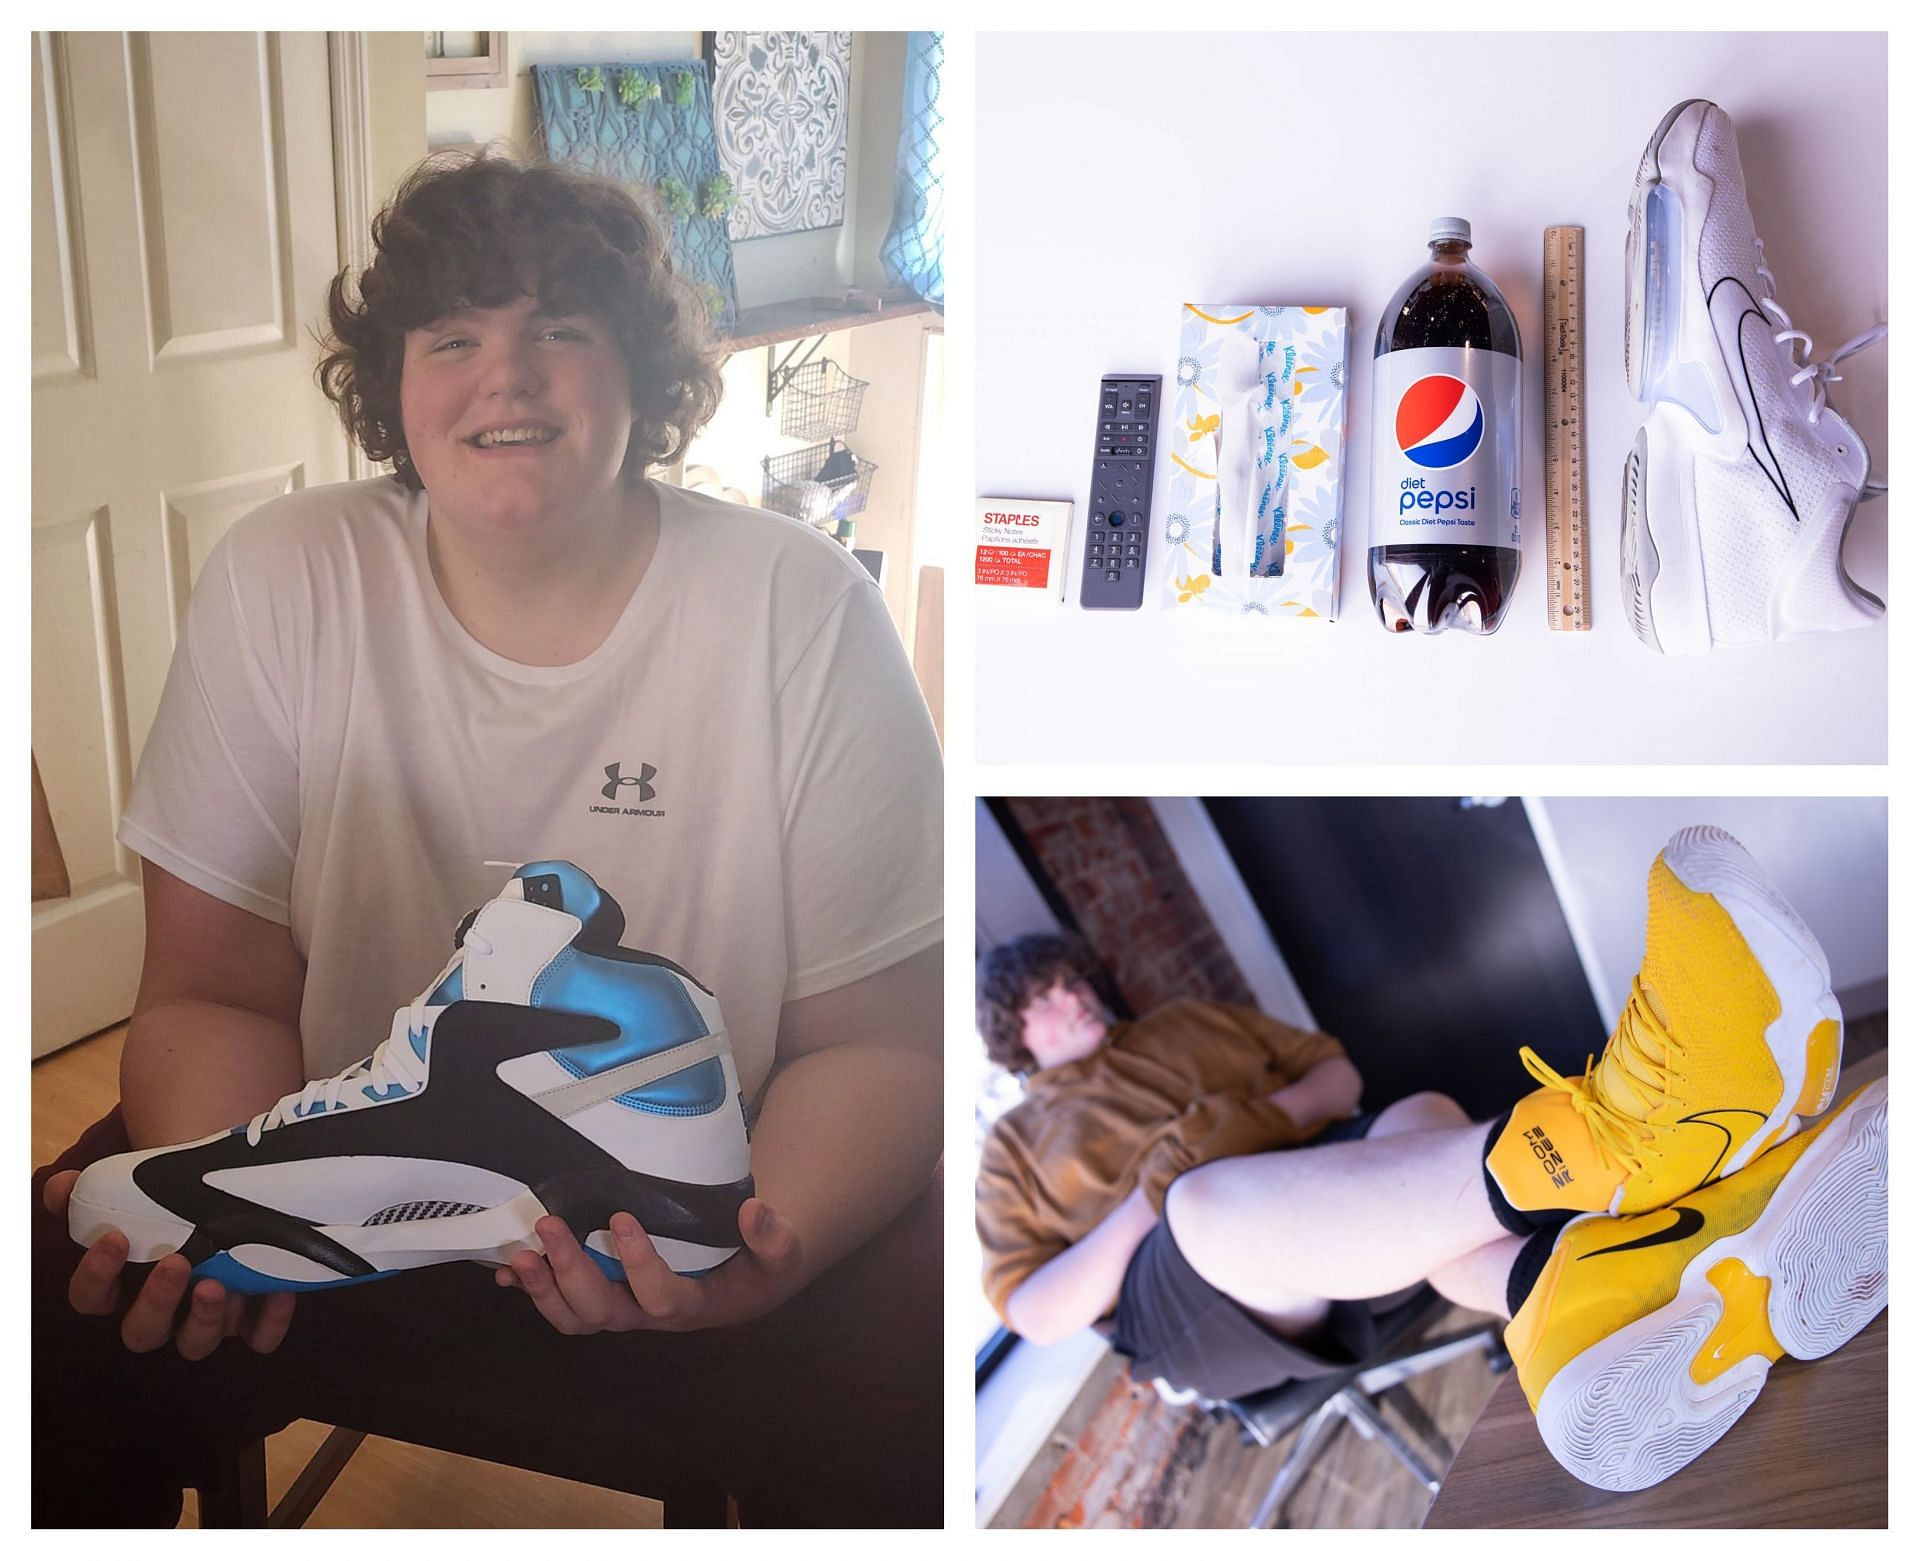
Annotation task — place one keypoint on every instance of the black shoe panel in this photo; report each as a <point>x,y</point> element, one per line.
<point>466,1114</point>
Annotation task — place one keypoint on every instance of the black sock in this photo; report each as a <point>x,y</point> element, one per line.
<point>1521,1222</point>
<point>1525,1272</point>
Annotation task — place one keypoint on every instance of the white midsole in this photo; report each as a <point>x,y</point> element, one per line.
<point>1710,861</point>
<point>486,1236</point>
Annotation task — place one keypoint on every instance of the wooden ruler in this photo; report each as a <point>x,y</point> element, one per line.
<point>1569,597</point>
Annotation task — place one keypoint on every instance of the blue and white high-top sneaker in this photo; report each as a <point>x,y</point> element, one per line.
<point>546,1070</point>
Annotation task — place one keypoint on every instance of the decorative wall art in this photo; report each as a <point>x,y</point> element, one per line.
<point>780,113</point>
<point>651,127</point>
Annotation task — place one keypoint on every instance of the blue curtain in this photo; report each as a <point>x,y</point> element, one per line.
<point>915,251</point>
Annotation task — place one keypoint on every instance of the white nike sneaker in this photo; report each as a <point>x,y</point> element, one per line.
<point>1742,482</point>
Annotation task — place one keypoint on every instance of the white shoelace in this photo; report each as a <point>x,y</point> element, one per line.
<point>1821,373</point>
<point>393,1065</point>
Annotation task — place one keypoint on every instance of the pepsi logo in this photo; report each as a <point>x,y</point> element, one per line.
<point>1439,422</point>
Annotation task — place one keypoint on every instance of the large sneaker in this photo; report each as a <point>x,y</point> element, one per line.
<point>1741,484</point>
<point>1644,1339</point>
<point>1730,1036</point>
<point>547,1070</point>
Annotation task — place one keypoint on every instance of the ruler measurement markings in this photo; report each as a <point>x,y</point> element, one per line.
<point>1567,583</point>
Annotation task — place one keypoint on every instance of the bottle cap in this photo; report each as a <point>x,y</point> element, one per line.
<point>1453,230</point>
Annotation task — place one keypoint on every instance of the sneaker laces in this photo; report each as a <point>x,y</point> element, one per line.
<point>393,1067</point>
<point>1637,1068</point>
<point>1823,372</point>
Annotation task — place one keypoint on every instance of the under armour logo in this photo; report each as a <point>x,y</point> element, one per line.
<point>615,780</point>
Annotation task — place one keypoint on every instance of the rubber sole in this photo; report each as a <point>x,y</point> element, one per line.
<point>1639,557</point>
<point>1807,1037</point>
<point>1629,1412</point>
<point>489,1236</point>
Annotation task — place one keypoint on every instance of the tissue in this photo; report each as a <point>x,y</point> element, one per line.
<point>1256,456</point>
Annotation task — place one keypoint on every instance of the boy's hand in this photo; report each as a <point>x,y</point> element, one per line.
<point>572,1293</point>
<point>95,1290</point>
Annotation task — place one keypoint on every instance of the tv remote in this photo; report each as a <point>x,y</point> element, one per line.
<point>1113,568</point>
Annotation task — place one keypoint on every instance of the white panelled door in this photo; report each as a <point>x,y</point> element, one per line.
<point>183,239</point>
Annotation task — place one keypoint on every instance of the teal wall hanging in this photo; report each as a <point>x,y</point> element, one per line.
<point>651,128</point>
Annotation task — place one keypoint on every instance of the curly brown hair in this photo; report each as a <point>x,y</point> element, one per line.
<point>477,230</point>
<point>1013,975</point>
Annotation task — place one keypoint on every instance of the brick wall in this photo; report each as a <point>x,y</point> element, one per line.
<point>1110,862</point>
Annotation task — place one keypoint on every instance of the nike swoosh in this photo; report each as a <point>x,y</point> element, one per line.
<point>1686,1222</point>
<point>1729,311</point>
<point>1704,1119</point>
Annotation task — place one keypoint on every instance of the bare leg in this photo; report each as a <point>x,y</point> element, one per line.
<point>1343,1221</point>
<point>1478,1280</point>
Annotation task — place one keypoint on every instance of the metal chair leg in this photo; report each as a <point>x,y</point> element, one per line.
<point>1418,1421</point>
<point>1366,1419</point>
<point>1314,1435</point>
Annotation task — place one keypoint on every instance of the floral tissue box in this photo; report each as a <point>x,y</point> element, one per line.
<point>1256,447</point>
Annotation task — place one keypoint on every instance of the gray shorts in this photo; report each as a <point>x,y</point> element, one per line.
<point>1171,1323</point>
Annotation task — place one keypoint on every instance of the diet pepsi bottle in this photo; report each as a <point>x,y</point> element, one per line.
<point>1444,544</point>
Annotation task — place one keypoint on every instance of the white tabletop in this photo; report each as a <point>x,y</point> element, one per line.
<point>1123,174</point>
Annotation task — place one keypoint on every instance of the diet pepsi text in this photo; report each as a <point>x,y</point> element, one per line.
<point>1444,528</point>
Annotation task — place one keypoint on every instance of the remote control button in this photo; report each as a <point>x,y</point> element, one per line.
<point>1133,536</point>
<point>1113,575</point>
<point>1126,406</point>
<point>1116,519</point>
<point>1133,551</point>
<point>1133,563</point>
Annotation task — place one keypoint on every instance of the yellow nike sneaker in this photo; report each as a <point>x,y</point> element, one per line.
<point>1730,1037</point>
<point>1646,1337</point>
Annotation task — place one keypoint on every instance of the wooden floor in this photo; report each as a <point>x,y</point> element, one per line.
<point>1120,1458</point>
<point>388,1484</point>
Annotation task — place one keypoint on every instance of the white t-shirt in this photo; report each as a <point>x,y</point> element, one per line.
<point>746,763</point>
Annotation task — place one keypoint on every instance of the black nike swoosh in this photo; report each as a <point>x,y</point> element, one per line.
<point>1704,1119</point>
<point>1686,1222</point>
<point>1777,477</point>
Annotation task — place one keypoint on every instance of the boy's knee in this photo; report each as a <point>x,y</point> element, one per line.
<point>1184,1204</point>
<point>1198,1203</point>
<point>1427,1109</point>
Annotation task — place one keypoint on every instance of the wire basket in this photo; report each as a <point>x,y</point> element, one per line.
<point>820,484</point>
<point>821,401</point>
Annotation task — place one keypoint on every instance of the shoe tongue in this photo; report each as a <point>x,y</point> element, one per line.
<point>1661,939</point>
<point>1618,1065</point>
<point>510,943</point>
<point>1557,1162</point>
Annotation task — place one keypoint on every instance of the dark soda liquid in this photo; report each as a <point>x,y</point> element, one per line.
<point>1448,303</point>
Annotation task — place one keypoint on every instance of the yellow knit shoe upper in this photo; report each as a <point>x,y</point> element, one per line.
<point>1685,1081</point>
<point>1606,1274</point>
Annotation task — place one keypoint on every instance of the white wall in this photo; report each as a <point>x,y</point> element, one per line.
<point>1827,855</point>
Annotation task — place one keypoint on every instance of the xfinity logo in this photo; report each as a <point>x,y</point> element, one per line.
<point>645,793</point>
